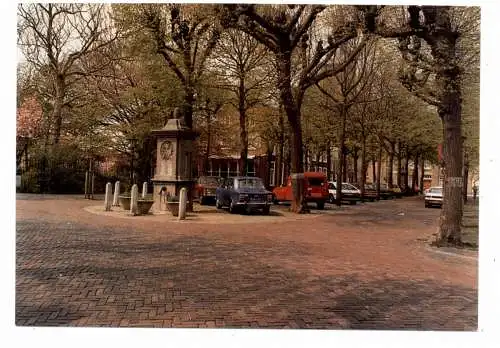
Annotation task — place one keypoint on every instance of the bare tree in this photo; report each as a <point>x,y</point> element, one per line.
<point>55,38</point>
<point>185,36</point>
<point>438,42</point>
<point>285,31</point>
<point>344,91</point>
<point>241,61</point>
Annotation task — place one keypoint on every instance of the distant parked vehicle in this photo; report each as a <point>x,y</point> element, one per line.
<point>243,192</point>
<point>434,197</point>
<point>370,192</point>
<point>205,187</point>
<point>350,193</point>
<point>386,192</point>
<point>396,191</point>
<point>316,188</point>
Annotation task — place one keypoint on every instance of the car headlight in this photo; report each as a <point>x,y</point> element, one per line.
<point>270,197</point>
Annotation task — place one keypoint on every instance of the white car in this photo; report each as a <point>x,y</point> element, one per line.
<point>434,197</point>
<point>350,193</point>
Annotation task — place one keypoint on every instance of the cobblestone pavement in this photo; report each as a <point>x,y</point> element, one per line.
<point>360,267</point>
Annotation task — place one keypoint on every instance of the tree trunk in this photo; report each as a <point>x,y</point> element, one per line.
<point>422,173</point>
<point>292,109</point>
<point>345,165</point>
<point>398,179</point>
<point>340,169</point>
<point>306,158</point>
<point>363,166</point>
<point>207,151</point>
<point>414,177</point>
<point>406,169</point>
<point>329,161</point>
<point>379,170</point>
<point>243,128</point>
<point>466,180</point>
<point>187,107</point>
<point>355,158</point>
<point>390,170</point>
<point>281,147</point>
<point>58,105</point>
<point>374,172</point>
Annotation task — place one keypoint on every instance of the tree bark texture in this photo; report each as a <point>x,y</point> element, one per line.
<point>398,163</point>
<point>341,157</point>
<point>422,174</point>
<point>58,106</point>
<point>390,179</point>
<point>379,170</point>
<point>292,110</point>
<point>364,166</point>
<point>414,177</point>
<point>406,170</point>
<point>243,129</point>
<point>450,112</point>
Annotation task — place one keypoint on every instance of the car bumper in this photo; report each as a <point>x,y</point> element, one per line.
<point>434,201</point>
<point>255,205</point>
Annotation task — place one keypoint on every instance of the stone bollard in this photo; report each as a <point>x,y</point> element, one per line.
<point>116,200</point>
<point>134,197</point>
<point>107,197</point>
<point>182,203</point>
<point>144,190</point>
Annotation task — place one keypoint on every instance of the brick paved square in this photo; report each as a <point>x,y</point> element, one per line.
<point>358,268</point>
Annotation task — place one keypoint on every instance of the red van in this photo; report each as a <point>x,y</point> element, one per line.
<point>316,189</point>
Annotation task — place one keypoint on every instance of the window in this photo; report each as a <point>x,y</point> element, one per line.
<point>249,183</point>
<point>315,181</point>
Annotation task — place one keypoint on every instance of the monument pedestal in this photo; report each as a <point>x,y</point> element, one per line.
<point>173,163</point>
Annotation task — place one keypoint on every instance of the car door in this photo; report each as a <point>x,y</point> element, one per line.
<point>227,190</point>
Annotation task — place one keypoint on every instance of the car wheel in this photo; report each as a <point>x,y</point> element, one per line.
<point>218,204</point>
<point>331,199</point>
<point>352,202</point>
<point>266,210</point>
<point>275,201</point>
<point>426,205</point>
<point>321,205</point>
<point>232,207</point>
<point>202,200</point>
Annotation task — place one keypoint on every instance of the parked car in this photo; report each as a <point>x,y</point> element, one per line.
<point>243,192</point>
<point>204,188</point>
<point>350,193</point>
<point>385,192</point>
<point>434,197</point>
<point>396,191</point>
<point>316,188</point>
<point>370,192</point>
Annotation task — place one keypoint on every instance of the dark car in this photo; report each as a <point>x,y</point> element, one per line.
<point>386,192</point>
<point>204,189</point>
<point>370,193</point>
<point>243,192</point>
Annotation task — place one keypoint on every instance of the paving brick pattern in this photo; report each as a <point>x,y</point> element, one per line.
<point>357,268</point>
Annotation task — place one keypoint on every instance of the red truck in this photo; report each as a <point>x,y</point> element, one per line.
<point>316,188</point>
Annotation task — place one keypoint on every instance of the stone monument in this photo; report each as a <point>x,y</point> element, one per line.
<point>174,162</point>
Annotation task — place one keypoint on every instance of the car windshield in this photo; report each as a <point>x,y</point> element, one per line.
<point>209,180</point>
<point>348,187</point>
<point>436,190</point>
<point>250,183</point>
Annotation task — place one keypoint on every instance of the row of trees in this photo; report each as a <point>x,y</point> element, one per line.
<point>300,79</point>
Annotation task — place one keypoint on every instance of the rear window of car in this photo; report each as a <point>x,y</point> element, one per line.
<point>315,181</point>
<point>436,190</point>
